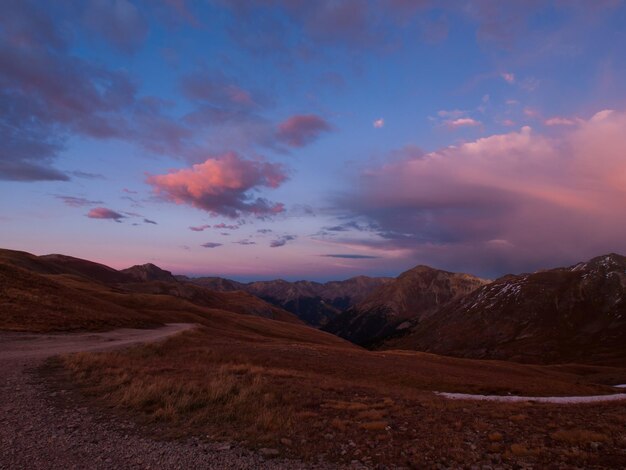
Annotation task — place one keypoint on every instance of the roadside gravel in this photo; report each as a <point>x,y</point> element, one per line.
<point>38,433</point>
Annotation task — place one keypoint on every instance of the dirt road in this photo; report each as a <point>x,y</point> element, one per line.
<point>36,432</point>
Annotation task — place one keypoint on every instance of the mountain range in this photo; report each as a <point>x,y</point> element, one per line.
<point>313,302</point>
<point>576,313</point>
<point>569,314</point>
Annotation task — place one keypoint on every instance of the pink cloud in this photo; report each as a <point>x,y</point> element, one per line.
<point>508,77</point>
<point>462,122</point>
<point>506,202</point>
<point>302,129</point>
<point>560,121</point>
<point>451,114</point>
<point>222,185</point>
<point>104,213</point>
<point>379,123</point>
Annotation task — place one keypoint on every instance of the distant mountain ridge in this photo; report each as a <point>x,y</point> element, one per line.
<point>576,313</point>
<point>313,302</point>
<point>393,307</point>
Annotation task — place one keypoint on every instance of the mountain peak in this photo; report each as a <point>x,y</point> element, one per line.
<point>610,262</point>
<point>149,272</point>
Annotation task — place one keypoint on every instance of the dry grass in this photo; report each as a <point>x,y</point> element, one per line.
<point>186,393</point>
<point>268,383</point>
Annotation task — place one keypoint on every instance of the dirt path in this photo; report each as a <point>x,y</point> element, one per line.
<point>37,433</point>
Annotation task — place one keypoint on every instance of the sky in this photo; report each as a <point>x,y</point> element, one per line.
<point>314,140</point>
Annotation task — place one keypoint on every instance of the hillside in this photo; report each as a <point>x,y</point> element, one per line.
<point>57,292</point>
<point>397,305</point>
<point>572,314</point>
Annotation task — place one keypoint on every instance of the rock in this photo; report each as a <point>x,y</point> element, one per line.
<point>286,442</point>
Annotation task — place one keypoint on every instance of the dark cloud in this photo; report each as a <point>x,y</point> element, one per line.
<point>148,221</point>
<point>199,228</point>
<point>245,242</point>
<point>226,226</point>
<point>348,256</point>
<point>87,175</point>
<point>119,22</point>
<point>48,94</point>
<point>77,201</point>
<point>265,230</point>
<point>211,245</point>
<point>219,98</point>
<point>264,27</point>
<point>281,241</point>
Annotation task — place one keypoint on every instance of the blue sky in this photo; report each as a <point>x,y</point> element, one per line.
<point>314,140</point>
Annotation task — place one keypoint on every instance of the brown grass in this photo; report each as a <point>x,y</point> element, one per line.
<point>236,397</point>
<point>249,379</point>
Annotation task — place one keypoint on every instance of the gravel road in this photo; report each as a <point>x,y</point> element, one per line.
<point>37,432</point>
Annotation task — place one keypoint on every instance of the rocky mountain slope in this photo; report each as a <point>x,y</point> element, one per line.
<point>573,314</point>
<point>313,302</point>
<point>395,306</point>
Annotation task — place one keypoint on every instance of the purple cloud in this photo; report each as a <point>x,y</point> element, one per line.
<point>47,94</point>
<point>301,129</point>
<point>211,245</point>
<point>104,213</point>
<point>245,242</point>
<point>348,256</point>
<point>199,228</point>
<point>77,201</point>
<point>282,241</point>
<point>120,22</point>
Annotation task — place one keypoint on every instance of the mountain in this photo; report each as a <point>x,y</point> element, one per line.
<point>148,272</point>
<point>313,302</point>
<point>568,314</point>
<point>64,292</point>
<point>395,306</point>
